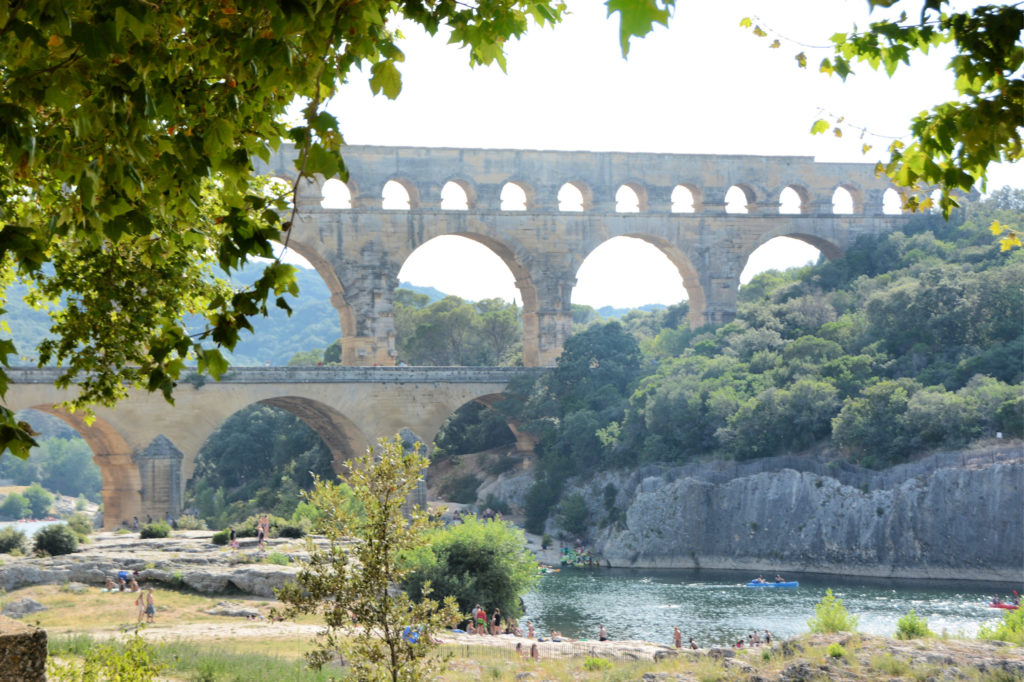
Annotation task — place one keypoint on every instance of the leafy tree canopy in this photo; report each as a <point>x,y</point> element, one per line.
<point>129,135</point>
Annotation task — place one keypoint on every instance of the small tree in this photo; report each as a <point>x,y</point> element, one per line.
<point>831,616</point>
<point>56,539</point>
<point>39,499</point>
<point>573,514</point>
<point>355,579</point>
<point>14,507</point>
<point>476,562</point>
<point>912,626</point>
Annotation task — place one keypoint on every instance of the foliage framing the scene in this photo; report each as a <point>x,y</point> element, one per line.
<point>129,135</point>
<point>354,581</point>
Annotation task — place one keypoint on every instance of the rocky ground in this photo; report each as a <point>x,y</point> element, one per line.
<point>186,559</point>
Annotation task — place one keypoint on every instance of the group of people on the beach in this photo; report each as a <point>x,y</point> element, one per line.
<point>753,640</point>
<point>145,607</point>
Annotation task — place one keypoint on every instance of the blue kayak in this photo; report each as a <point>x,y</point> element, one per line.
<point>791,583</point>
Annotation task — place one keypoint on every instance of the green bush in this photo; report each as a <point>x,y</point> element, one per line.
<point>831,616</point>
<point>836,650</point>
<point>39,499</point>
<point>133,660</point>
<point>12,541</point>
<point>81,524</point>
<point>460,489</point>
<point>189,522</point>
<point>81,502</point>
<point>596,664</point>
<point>56,539</point>
<point>573,515</point>
<point>278,558</point>
<point>911,626</point>
<point>545,541</point>
<point>1009,629</point>
<point>292,530</point>
<point>221,537</point>
<point>158,529</point>
<point>14,507</point>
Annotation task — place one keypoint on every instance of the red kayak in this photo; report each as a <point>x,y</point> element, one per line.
<point>1008,607</point>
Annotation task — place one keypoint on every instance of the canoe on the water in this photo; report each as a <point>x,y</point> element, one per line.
<point>1008,607</point>
<point>790,583</point>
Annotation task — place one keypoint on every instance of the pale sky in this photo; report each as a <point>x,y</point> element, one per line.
<point>704,85</point>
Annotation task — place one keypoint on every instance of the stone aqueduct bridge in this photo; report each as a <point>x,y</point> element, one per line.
<point>146,449</point>
<point>359,250</point>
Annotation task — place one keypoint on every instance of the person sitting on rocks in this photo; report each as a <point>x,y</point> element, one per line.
<point>110,585</point>
<point>693,644</point>
<point>133,586</point>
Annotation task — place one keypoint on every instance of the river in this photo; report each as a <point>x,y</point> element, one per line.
<point>29,528</point>
<point>715,608</point>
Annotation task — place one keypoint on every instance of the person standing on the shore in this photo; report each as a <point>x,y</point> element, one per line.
<point>234,537</point>
<point>677,637</point>
<point>496,622</point>
<point>150,606</point>
<point>529,629</point>
<point>140,607</point>
<point>602,634</point>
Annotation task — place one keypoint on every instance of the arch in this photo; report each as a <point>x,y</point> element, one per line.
<point>346,315</point>
<point>335,194</point>
<point>631,197</point>
<point>683,267</point>
<point>341,436</point>
<point>574,197</point>
<point>122,484</point>
<point>847,200</point>
<point>829,249</point>
<point>794,199</point>
<point>686,199</point>
<point>524,441</point>
<point>516,196</point>
<point>455,196</point>
<point>892,202</point>
<point>398,194</point>
<point>739,199</point>
<point>523,282</point>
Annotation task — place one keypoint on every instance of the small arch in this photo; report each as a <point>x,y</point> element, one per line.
<point>514,197</point>
<point>630,198</point>
<point>665,272</point>
<point>793,199</point>
<point>892,202</point>
<point>684,199</point>
<point>454,196</point>
<point>335,194</point>
<point>396,196</point>
<point>842,201</point>
<point>781,252</point>
<point>739,199</point>
<point>571,198</point>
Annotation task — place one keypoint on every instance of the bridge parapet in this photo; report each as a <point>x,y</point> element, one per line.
<point>329,374</point>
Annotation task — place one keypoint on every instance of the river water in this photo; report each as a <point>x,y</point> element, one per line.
<point>715,608</point>
<point>29,528</point>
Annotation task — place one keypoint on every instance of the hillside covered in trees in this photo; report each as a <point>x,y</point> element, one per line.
<point>911,342</point>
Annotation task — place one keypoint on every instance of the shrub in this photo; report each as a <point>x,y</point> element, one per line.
<point>56,539</point>
<point>81,502</point>
<point>12,541</point>
<point>911,626</point>
<point>189,522</point>
<point>836,650</point>
<point>460,489</point>
<point>133,660</point>
<point>831,616</point>
<point>81,524</point>
<point>278,558</point>
<point>14,507</point>
<point>573,515</point>
<point>596,664</point>
<point>158,529</point>
<point>1009,629</point>
<point>39,499</point>
<point>545,541</point>
<point>495,504</point>
<point>292,530</point>
<point>221,537</point>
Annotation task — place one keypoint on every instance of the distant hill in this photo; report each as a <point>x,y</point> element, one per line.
<point>616,313</point>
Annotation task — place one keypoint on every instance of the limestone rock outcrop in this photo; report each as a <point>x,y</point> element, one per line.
<point>951,515</point>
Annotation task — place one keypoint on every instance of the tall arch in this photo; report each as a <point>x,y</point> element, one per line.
<point>695,290</point>
<point>341,436</point>
<point>346,315</point>
<point>831,250</point>
<point>122,484</point>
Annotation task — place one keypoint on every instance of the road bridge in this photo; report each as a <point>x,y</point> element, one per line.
<point>680,207</point>
<point>146,448</point>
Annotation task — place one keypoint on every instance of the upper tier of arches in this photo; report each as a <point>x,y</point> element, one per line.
<point>418,179</point>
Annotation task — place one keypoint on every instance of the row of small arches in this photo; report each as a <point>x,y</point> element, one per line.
<point>684,199</point>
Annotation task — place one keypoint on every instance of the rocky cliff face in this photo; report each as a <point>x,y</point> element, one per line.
<point>948,516</point>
